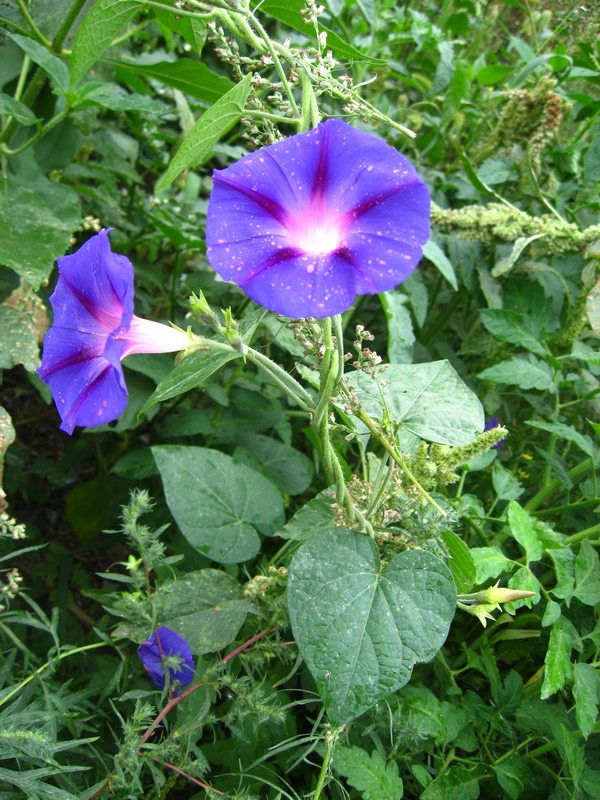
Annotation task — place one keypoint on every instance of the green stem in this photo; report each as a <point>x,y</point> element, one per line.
<point>389,448</point>
<point>20,86</point>
<point>42,132</point>
<point>546,477</point>
<point>68,21</point>
<point>567,507</point>
<point>283,77</point>
<point>539,751</point>
<point>329,369</point>
<point>461,483</point>
<point>22,78</point>
<point>324,768</point>
<point>547,491</point>
<point>579,537</point>
<point>273,117</point>
<point>36,83</point>
<point>180,12</point>
<point>37,34</point>
<point>45,666</point>
<point>380,484</point>
<point>13,26</point>
<point>310,110</point>
<point>338,331</point>
<point>290,385</point>
<point>132,31</point>
<point>478,530</point>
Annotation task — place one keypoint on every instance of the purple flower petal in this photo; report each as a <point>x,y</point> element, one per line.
<point>306,224</point>
<point>88,389</point>
<point>93,329</point>
<point>165,642</point>
<point>95,284</point>
<point>492,423</point>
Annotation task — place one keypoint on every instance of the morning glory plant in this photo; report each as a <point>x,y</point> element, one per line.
<point>95,328</point>
<point>306,224</point>
<point>303,226</point>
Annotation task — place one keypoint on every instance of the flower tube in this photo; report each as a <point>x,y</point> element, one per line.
<point>94,328</point>
<point>306,224</point>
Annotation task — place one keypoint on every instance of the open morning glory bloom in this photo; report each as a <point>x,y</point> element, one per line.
<point>94,328</point>
<point>165,642</point>
<point>306,224</point>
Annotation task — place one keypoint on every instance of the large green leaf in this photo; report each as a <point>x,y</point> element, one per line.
<point>37,221</point>
<point>586,690</point>
<point>427,400</point>
<point>587,575</point>
<point>208,130</point>
<point>461,563</point>
<point>401,337</point>
<point>23,114</point>
<point>434,253</point>
<point>558,669</point>
<point>290,470</point>
<point>490,562</point>
<point>523,529</point>
<point>39,54</point>
<point>370,774</point>
<point>217,503</point>
<point>191,77</point>
<point>508,326</point>
<point>528,373</point>
<point>114,97</point>
<point>190,28</point>
<point>313,517</point>
<point>361,626</point>
<point>456,784</point>
<point>99,27</point>
<point>207,608</point>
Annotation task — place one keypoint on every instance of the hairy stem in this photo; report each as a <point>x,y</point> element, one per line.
<point>37,34</point>
<point>67,24</point>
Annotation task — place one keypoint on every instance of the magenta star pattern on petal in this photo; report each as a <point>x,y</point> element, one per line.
<point>94,328</point>
<point>164,643</point>
<point>306,224</point>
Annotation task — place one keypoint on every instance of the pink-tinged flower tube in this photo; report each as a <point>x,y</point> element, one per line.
<point>94,328</point>
<point>306,224</point>
<point>163,643</point>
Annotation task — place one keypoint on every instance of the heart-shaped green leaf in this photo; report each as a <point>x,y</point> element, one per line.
<point>217,503</point>
<point>361,626</point>
<point>426,400</point>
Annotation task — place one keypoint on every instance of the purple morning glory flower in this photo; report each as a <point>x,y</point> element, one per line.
<point>490,425</point>
<point>306,224</point>
<point>94,328</point>
<point>165,642</point>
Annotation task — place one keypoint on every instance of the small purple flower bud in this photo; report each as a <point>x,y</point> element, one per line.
<point>154,651</point>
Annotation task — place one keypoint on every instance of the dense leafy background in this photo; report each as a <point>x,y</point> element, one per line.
<point>504,98</point>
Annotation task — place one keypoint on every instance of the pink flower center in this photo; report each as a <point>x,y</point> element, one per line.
<point>316,231</point>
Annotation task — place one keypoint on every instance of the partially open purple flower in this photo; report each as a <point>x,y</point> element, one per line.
<point>306,224</point>
<point>165,642</point>
<point>492,423</point>
<point>94,328</point>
